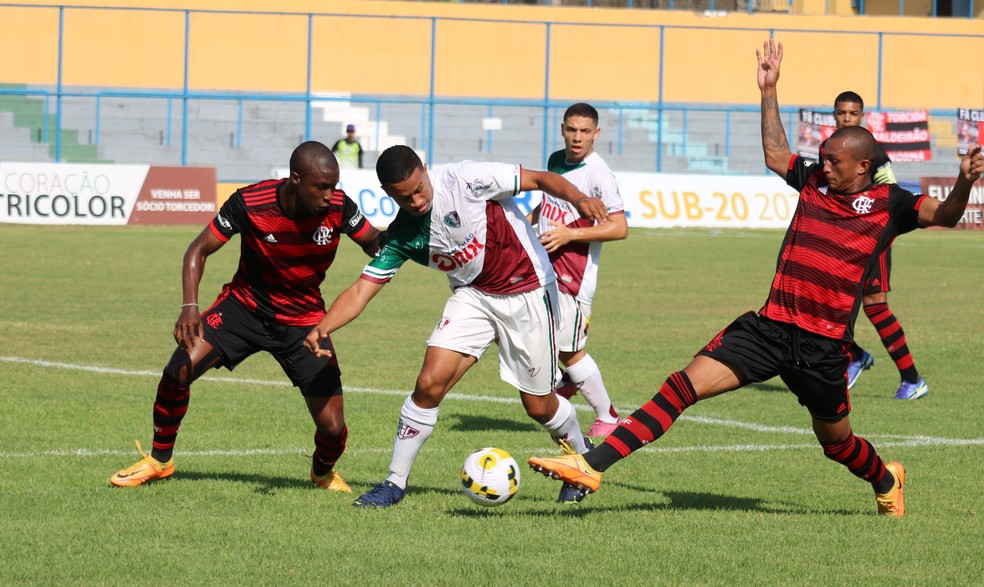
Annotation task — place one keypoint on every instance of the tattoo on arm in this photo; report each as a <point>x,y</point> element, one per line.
<point>773,135</point>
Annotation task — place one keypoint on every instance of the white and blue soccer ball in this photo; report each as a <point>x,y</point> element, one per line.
<point>490,477</point>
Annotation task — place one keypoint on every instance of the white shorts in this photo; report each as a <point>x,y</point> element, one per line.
<point>572,323</point>
<point>523,324</point>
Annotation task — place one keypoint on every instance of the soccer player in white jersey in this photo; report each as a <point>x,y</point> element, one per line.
<point>461,219</point>
<point>574,245</point>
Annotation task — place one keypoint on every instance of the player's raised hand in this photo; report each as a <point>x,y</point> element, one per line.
<point>188,329</point>
<point>768,64</point>
<point>312,341</point>
<point>972,164</point>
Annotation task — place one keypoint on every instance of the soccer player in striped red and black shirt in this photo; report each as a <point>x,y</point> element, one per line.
<point>290,230</point>
<point>842,223</point>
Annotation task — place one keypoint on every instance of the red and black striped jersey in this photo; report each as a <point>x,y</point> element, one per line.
<point>832,243</point>
<point>283,260</point>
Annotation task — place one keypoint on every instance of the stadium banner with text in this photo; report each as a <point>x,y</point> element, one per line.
<point>970,129</point>
<point>101,194</point>
<point>815,127</point>
<point>940,187</point>
<point>905,135</point>
<point>652,200</point>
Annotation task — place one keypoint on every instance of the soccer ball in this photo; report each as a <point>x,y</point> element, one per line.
<point>490,477</point>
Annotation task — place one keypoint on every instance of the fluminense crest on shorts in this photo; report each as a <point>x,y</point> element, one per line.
<point>452,219</point>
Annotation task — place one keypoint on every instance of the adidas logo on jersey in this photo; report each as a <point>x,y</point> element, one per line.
<point>270,238</point>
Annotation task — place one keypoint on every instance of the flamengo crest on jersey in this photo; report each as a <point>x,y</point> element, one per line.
<point>474,232</point>
<point>576,264</point>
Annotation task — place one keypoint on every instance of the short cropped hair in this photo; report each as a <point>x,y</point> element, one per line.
<point>851,97</point>
<point>311,155</point>
<point>396,164</point>
<point>582,109</point>
<point>859,141</point>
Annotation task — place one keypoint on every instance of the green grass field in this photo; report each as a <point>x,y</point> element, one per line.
<point>737,493</point>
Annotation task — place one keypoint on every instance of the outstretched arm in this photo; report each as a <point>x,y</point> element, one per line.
<point>558,187</point>
<point>346,307</point>
<point>617,228</point>
<point>188,328</point>
<point>774,143</point>
<point>947,213</point>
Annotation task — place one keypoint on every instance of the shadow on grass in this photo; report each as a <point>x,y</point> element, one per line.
<point>688,501</point>
<point>469,423</point>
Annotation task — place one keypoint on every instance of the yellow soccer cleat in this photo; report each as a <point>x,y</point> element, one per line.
<point>570,468</point>
<point>146,469</point>
<point>331,481</point>
<point>893,502</point>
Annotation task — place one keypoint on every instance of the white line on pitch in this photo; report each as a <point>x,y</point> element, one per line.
<point>898,440</point>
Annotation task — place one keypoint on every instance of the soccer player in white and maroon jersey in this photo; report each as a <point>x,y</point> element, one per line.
<point>461,219</point>
<point>843,221</point>
<point>574,245</point>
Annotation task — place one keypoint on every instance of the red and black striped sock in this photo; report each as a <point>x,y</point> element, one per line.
<point>327,451</point>
<point>169,408</point>
<point>647,423</point>
<point>860,458</point>
<point>893,337</point>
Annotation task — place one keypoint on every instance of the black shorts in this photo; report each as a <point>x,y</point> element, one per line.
<point>237,333</point>
<point>877,281</point>
<point>813,367</point>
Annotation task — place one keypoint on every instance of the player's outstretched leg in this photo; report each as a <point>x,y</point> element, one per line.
<point>645,425</point>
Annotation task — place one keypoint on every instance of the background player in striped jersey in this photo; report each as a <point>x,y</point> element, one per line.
<point>841,224</point>
<point>290,230</point>
<point>574,245</point>
<point>849,111</point>
<point>461,219</point>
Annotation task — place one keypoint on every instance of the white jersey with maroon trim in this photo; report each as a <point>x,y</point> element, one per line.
<point>474,232</point>
<point>576,264</point>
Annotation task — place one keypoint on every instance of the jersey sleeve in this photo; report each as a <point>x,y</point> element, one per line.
<point>904,208</point>
<point>231,218</point>
<point>490,181</point>
<point>798,172</point>
<point>354,223</point>
<point>406,239</point>
<point>607,190</point>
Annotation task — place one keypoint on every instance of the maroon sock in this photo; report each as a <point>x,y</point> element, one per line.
<point>169,408</point>
<point>327,451</point>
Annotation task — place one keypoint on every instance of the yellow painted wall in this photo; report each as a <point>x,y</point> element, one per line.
<point>594,54</point>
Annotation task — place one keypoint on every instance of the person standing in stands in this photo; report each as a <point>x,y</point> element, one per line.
<point>347,150</point>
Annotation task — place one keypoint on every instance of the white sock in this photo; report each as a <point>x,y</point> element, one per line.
<point>587,376</point>
<point>564,425</point>
<point>415,427</point>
